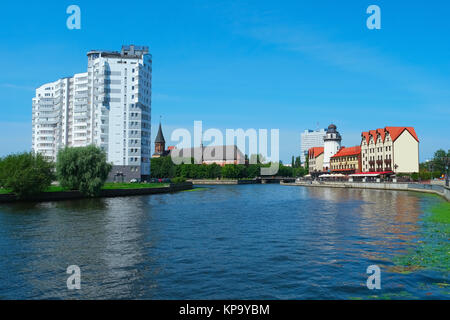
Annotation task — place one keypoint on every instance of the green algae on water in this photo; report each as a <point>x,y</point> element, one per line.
<point>434,251</point>
<point>387,296</point>
<point>196,189</point>
<point>440,214</point>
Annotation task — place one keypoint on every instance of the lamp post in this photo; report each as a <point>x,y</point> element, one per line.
<point>430,168</point>
<point>395,166</point>
<point>446,162</point>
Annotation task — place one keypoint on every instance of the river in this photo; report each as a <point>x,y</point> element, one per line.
<point>219,242</point>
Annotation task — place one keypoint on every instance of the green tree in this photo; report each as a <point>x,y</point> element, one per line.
<point>184,170</point>
<point>84,169</point>
<point>424,175</point>
<point>298,162</point>
<point>299,172</point>
<point>166,170</point>
<point>25,174</point>
<point>253,171</point>
<point>284,171</point>
<point>438,163</point>
<point>242,171</point>
<point>155,165</point>
<point>230,171</point>
<point>163,167</point>
<point>194,171</point>
<point>214,171</point>
<point>307,164</point>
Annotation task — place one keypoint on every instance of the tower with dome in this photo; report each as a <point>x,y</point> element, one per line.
<point>332,144</point>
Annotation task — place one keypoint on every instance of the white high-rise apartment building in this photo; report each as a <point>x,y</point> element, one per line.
<point>78,125</point>
<point>46,120</point>
<point>58,117</point>
<point>109,106</point>
<point>311,139</point>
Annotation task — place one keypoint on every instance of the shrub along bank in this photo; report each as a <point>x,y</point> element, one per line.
<point>80,169</point>
<point>164,168</point>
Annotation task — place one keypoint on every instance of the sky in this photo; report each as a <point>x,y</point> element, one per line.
<point>287,65</point>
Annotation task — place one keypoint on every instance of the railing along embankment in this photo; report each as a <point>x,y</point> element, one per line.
<point>441,190</point>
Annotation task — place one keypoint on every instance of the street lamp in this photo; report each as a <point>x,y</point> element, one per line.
<point>430,167</point>
<point>446,162</point>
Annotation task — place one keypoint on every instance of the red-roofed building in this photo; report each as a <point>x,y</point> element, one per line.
<point>347,161</point>
<point>315,158</point>
<point>393,149</point>
<point>395,132</point>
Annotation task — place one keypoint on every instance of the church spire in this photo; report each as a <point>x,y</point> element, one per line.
<point>160,144</point>
<point>160,136</point>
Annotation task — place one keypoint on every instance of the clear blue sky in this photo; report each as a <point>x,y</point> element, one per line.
<point>255,64</point>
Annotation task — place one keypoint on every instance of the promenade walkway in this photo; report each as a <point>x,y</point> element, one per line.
<point>440,190</point>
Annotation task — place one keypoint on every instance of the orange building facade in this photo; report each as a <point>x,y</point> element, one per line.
<point>347,161</point>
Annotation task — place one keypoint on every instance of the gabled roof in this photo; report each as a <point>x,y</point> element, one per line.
<point>373,133</point>
<point>365,135</point>
<point>352,151</point>
<point>382,133</point>
<point>315,152</point>
<point>395,132</point>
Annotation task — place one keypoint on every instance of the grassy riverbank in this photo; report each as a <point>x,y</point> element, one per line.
<point>116,186</point>
<point>107,186</point>
<point>433,251</point>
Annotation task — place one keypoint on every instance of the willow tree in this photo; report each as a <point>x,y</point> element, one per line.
<point>84,169</point>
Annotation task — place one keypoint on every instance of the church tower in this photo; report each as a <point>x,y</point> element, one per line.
<point>331,144</point>
<point>160,144</point>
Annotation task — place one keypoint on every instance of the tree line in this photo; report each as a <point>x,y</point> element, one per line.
<point>86,169</point>
<point>83,169</point>
<point>434,168</point>
<point>165,168</point>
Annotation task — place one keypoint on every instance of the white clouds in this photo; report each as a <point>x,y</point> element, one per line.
<point>15,86</point>
<point>355,58</point>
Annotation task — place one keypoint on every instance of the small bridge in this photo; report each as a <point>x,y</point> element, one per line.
<point>265,180</point>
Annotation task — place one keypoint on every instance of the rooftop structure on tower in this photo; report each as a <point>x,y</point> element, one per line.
<point>331,144</point>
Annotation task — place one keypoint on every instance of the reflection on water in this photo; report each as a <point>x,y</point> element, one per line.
<point>246,242</point>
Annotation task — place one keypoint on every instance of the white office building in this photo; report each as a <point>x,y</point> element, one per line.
<point>109,106</point>
<point>311,139</point>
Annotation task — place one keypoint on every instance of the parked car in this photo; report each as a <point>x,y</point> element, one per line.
<point>134,181</point>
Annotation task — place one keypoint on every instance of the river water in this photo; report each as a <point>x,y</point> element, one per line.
<point>221,242</point>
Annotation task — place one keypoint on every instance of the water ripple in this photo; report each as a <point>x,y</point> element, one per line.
<point>228,242</point>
